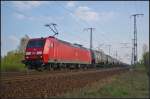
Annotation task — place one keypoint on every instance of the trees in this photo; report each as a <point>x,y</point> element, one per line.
<point>12,61</point>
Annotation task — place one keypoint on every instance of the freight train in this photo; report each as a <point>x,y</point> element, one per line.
<point>51,52</point>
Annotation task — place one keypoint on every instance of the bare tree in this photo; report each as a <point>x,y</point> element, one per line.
<point>23,43</point>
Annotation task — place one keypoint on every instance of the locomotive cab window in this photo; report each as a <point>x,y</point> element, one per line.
<point>36,44</point>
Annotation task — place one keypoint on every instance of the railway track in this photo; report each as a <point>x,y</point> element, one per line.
<point>51,84</point>
<point>18,76</point>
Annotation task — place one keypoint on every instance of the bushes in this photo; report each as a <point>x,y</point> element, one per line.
<point>146,61</point>
<point>12,62</point>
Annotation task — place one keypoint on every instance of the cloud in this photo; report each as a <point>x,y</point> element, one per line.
<point>19,16</point>
<point>40,18</point>
<point>22,16</point>
<point>106,16</point>
<point>85,13</point>
<point>70,3</point>
<point>25,5</point>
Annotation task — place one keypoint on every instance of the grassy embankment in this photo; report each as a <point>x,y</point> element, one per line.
<point>127,85</point>
<point>12,62</point>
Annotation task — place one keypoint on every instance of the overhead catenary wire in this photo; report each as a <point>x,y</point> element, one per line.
<point>85,23</point>
<point>71,12</point>
<point>83,39</point>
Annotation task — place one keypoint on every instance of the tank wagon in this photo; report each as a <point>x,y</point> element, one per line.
<point>102,59</point>
<point>51,52</point>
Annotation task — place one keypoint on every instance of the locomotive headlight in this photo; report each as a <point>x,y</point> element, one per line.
<point>28,53</point>
<point>39,52</point>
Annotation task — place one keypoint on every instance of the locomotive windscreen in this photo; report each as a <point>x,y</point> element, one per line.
<point>36,43</point>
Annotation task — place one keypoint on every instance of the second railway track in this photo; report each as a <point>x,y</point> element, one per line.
<point>18,76</point>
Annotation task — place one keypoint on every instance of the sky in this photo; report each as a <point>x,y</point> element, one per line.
<point>111,19</point>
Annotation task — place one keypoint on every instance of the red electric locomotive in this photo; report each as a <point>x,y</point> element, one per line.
<point>51,52</point>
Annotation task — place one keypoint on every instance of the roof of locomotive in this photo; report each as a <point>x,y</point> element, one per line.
<point>70,44</point>
<point>73,45</point>
<point>65,42</point>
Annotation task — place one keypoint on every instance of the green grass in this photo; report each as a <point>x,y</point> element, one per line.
<point>12,62</point>
<point>128,85</point>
